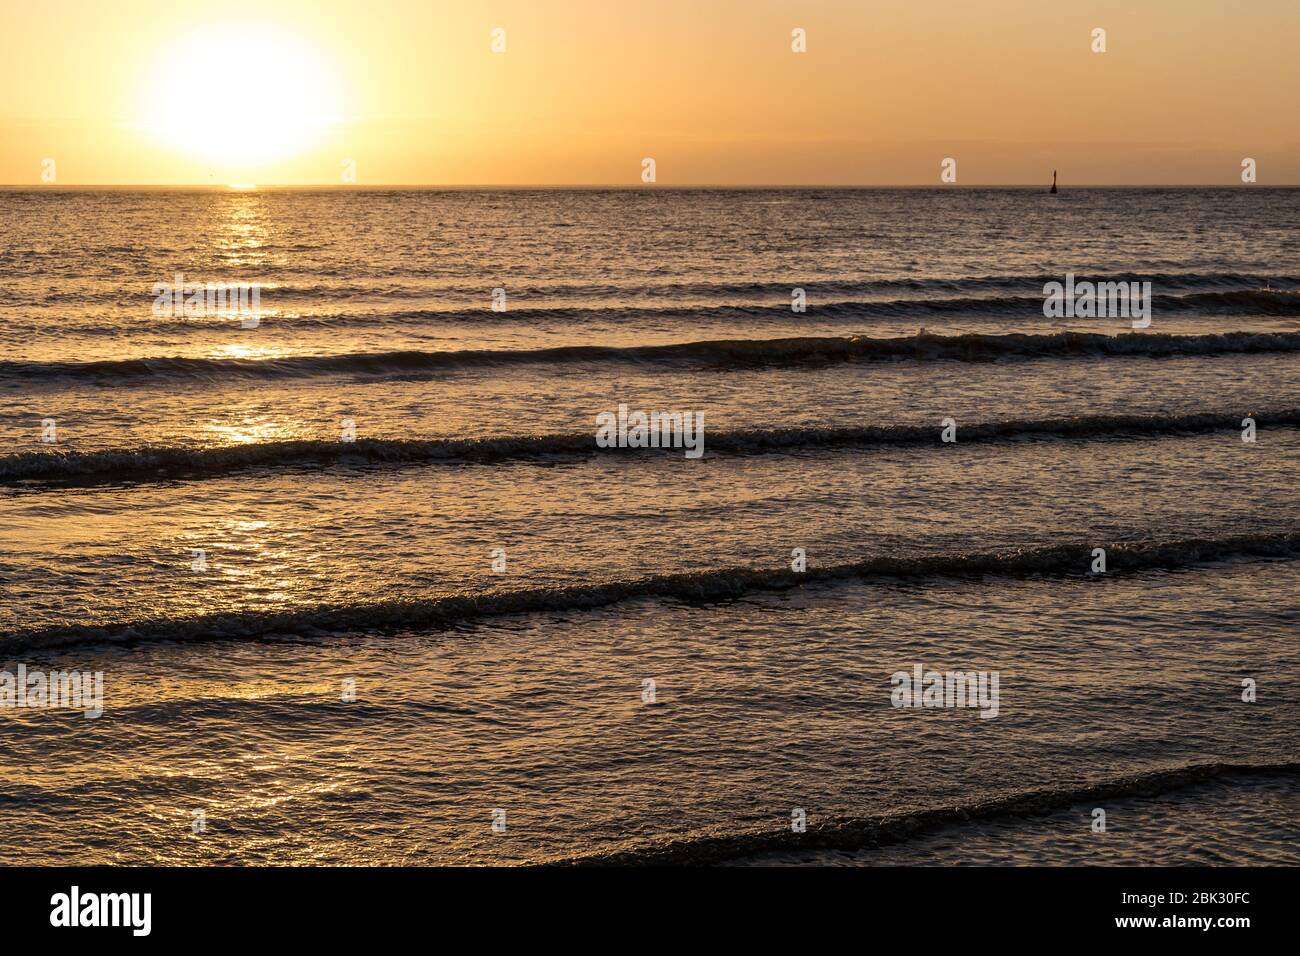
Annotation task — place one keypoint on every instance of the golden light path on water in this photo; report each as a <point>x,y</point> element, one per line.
<point>226,692</point>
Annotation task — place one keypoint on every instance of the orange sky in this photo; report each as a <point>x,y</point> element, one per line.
<point>284,91</point>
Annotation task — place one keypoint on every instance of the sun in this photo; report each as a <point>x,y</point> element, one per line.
<point>239,95</point>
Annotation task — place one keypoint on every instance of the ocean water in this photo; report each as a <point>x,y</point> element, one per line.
<point>474,635</point>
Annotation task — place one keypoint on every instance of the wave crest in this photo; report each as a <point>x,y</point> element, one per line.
<point>718,353</point>
<point>719,585</point>
<point>860,833</point>
<point>163,463</point>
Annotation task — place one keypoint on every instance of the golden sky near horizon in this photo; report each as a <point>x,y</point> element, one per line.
<point>410,91</point>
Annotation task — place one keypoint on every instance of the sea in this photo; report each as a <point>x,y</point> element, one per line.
<point>312,484</point>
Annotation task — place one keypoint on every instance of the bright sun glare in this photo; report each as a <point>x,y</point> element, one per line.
<point>239,95</point>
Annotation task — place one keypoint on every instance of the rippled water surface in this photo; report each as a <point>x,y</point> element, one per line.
<point>638,654</point>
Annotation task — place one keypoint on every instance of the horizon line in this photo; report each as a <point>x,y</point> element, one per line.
<point>646,187</point>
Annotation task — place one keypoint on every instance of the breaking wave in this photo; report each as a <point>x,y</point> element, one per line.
<point>719,585</point>
<point>718,354</point>
<point>861,833</point>
<point>165,463</point>
<point>1256,302</point>
<point>394,284</point>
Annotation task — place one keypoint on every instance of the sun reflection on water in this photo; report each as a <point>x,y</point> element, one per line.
<point>248,431</point>
<point>244,231</point>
